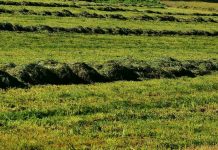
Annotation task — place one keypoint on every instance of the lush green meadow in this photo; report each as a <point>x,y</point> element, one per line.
<point>179,113</point>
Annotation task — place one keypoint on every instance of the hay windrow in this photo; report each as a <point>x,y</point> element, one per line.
<point>42,4</point>
<point>8,81</point>
<point>53,72</point>
<point>99,30</point>
<point>101,7</point>
<point>62,71</point>
<point>86,73</point>
<point>36,74</point>
<point>144,17</point>
<point>115,72</point>
<point>180,13</point>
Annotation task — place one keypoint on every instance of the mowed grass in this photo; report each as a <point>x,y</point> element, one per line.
<point>153,3</point>
<point>197,5</point>
<point>179,113</point>
<point>128,11</point>
<point>68,22</point>
<point>154,114</point>
<point>23,48</point>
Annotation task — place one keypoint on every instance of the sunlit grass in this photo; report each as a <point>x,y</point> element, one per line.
<point>176,113</point>
<point>23,48</point>
<point>100,114</point>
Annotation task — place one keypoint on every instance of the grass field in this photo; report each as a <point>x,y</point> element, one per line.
<point>177,113</point>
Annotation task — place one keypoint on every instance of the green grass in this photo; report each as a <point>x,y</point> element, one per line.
<point>193,0</point>
<point>152,114</point>
<point>28,20</point>
<point>147,2</point>
<point>27,47</point>
<point>126,13</point>
<point>129,14</point>
<point>165,113</point>
<point>195,5</point>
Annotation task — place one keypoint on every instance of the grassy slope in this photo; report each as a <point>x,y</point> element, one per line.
<point>163,113</point>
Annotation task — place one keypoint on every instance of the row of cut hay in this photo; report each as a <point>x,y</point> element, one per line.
<point>42,4</point>
<point>99,30</point>
<point>67,13</point>
<point>53,72</point>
